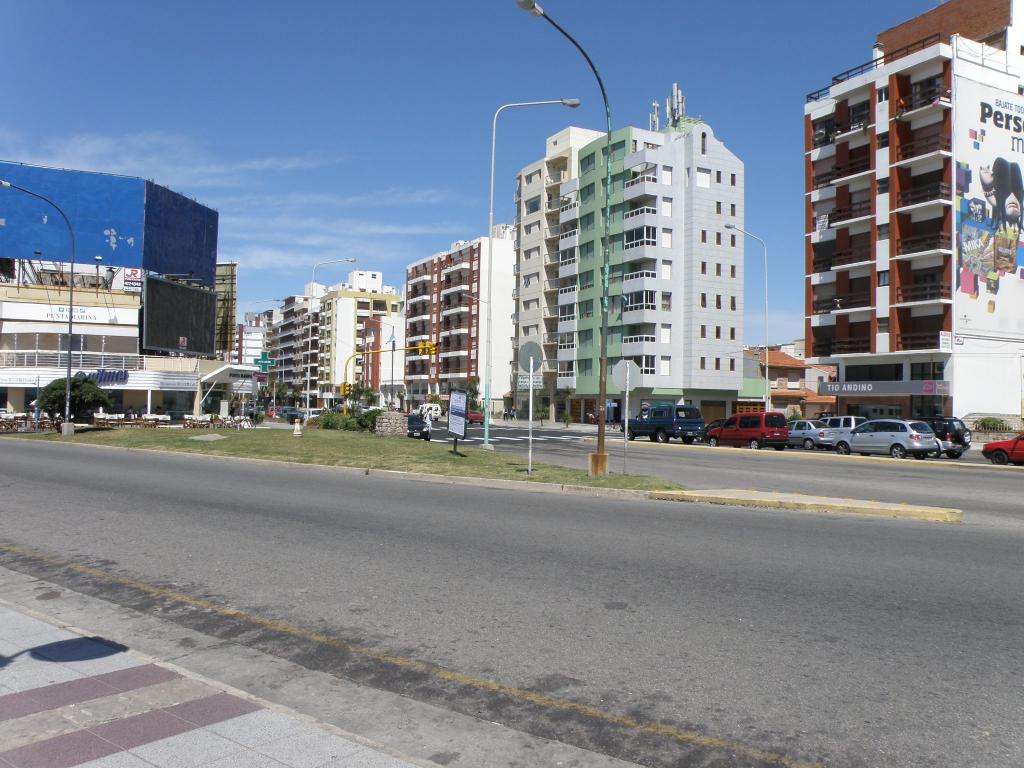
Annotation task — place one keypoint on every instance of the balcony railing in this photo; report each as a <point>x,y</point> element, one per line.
<point>854,123</point>
<point>821,263</point>
<point>923,243</point>
<point>646,273</point>
<point>846,301</point>
<point>924,195</point>
<point>926,292</point>
<point>854,211</point>
<point>645,179</point>
<point>569,206</point>
<point>920,45</point>
<point>925,97</point>
<point>925,340</point>
<point>851,256</point>
<point>644,339</point>
<point>567,289</point>
<point>852,167</point>
<point>824,179</point>
<point>923,147</point>
<point>646,210</point>
<point>822,348</point>
<point>567,235</point>
<point>97,360</point>
<point>850,346</point>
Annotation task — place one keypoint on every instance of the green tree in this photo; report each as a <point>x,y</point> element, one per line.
<point>362,391</point>
<point>567,393</point>
<point>85,396</point>
<point>473,392</point>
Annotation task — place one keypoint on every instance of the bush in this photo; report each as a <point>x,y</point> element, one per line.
<point>991,424</point>
<point>257,418</point>
<point>330,420</point>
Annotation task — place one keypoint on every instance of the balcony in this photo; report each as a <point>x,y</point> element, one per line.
<point>568,239</point>
<point>822,263</point>
<point>567,295</point>
<point>417,298</point>
<point>933,193</point>
<point>569,211</point>
<point>454,330</point>
<point>906,342</point>
<point>851,256</point>
<point>556,178</point>
<point>920,148</point>
<point>463,263</point>
<point>566,380</point>
<point>851,168</point>
<point>841,303</point>
<point>911,294</point>
<point>923,100</point>
<point>822,180</point>
<point>923,245</point>
<point>641,186</point>
<point>849,213</point>
<point>855,123</point>
<point>638,216</point>
<point>417,279</point>
<point>920,45</point>
<point>454,309</point>
<point>453,287</point>
<point>552,232</point>
<point>644,274</point>
<point>851,346</point>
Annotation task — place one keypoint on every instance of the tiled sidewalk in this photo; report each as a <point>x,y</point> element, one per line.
<point>68,700</point>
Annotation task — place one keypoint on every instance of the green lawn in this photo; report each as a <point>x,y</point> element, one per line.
<point>356,449</point>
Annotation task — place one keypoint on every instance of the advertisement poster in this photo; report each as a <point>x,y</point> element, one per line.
<point>457,414</point>
<point>989,295</point>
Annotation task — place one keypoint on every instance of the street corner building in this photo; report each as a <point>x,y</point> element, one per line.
<point>914,196</point>
<point>146,292</point>
<point>676,266</point>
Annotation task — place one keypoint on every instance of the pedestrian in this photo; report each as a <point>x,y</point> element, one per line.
<point>428,424</point>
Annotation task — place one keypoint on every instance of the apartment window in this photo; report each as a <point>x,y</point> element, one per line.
<point>883,186</point>
<point>718,177</point>
<point>666,270</point>
<point>588,163</point>
<point>666,366</point>
<point>666,206</point>
<point>883,94</point>
<point>732,334</point>
<point>883,140</point>
<point>703,267</point>
<point>718,206</point>
<point>533,205</point>
<point>703,143</point>
<point>586,338</point>
<point>732,270</point>
<point>704,300</point>
<point>666,238</point>
<point>732,209</point>
<point>703,235</point>
<point>718,238</point>
<point>883,231</point>
<point>883,277</point>
<point>704,178</point>
<point>586,308</point>
<point>585,367</point>
<point>718,331</point>
<point>666,175</point>
<point>732,241</point>
<point>718,363</point>
<point>718,269</point>
<point>732,180</point>
<point>666,301</point>
<point>666,334</point>
<point>703,331</point>
<point>926,371</point>
<point>883,325</point>
<point>732,364</point>
<point>732,302</point>
<point>718,301</point>
<point>703,363</point>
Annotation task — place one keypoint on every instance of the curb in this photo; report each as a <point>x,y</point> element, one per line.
<point>817,504</point>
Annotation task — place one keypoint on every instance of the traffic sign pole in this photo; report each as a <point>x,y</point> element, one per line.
<point>625,426</point>
<point>529,462</point>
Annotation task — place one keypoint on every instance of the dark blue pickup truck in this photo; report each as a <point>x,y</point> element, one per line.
<point>663,422</point>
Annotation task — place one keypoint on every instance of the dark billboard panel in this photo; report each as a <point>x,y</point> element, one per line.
<point>178,318</point>
<point>181,236</point>
<point>106,213</point>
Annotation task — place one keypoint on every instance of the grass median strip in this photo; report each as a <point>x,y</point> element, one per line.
<point>361,450</point>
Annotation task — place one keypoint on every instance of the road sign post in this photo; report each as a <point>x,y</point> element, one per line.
<point>457,407</point>
<point>625,375</point>
<point>530,359</point>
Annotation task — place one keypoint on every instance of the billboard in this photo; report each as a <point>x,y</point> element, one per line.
<point>180,235</point>
<point>106,213</point>
<point>178,318</point>
<point>989,150</point>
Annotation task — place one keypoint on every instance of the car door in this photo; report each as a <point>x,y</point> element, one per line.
<point>887,433</point>
<point>862,437</point>
<point>749,429</point>
<point>728,434</point>
<point>1017,450</point>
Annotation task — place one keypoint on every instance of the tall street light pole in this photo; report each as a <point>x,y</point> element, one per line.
<point>572,104</point>
<point>598,459</point>
<point>767,381</point>
<point>309,335</point>
<point>68,427</point>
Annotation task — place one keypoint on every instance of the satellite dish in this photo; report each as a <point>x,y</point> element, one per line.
<point>530,350</point>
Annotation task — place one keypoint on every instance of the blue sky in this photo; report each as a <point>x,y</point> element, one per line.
<point>330,129</point>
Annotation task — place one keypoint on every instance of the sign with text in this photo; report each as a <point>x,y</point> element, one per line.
<point>881,388</point>
<point>457,407</point>
<point>524,381</point>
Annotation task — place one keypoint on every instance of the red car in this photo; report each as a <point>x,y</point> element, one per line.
<point>756,430</point>
<point>474,417</point>
<point>1005,451</point>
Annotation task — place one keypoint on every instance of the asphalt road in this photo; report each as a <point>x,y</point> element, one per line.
<point>772,636</point>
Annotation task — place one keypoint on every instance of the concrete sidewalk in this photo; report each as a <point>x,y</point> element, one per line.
<point>71,700</point>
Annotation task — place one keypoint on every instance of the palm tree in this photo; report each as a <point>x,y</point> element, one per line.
<point>567,393</point>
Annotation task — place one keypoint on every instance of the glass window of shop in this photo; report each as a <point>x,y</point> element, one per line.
<point>921,406</point>
<point>926,371</point>
<point>874,372</point>
<point>177,404</point>
<point>3,398</point>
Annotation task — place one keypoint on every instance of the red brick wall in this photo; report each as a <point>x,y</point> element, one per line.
<point>974,19</point>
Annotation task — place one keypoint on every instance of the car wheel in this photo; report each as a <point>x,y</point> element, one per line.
<point>954,454</point>
<point>660,436</point>
<point>843,449</point>
<point>808,444</point>
<point>897,451</point>
<point>631,434</point>
<point>688,440</point>
<point>779,447</point>
<point>920,455</point>
<point>713,442</point>
<point>755,445</point>
<point>1000,458</point>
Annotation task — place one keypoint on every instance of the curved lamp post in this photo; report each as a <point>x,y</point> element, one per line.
<point>767,381</point>
<point>598,459</point>
<point>572,104</point>
<point>68,427</point>
<point>309,335</point>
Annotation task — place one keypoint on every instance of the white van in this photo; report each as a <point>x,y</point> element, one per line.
<point>432,408</point>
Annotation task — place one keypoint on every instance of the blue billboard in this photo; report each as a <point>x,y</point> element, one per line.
<point>130,222</point>
<point>106,213</point>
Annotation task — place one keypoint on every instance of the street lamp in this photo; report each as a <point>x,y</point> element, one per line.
<point>309,335</point>
<point>767,382</point>
<point>572,104</point>
<point>598,459</point>
<point>68,427</point>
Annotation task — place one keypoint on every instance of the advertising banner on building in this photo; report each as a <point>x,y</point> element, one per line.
<point>989,151</point>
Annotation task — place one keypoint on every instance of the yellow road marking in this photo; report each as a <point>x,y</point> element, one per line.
<point>671,732</point>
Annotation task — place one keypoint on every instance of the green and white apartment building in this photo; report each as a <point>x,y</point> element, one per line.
<point>676,279</point>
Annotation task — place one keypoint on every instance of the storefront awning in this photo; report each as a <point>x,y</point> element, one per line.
<point>229,373</point>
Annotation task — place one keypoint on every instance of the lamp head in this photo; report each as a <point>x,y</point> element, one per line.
<point>571,103</point>
<point>98,258</point>
<point>530,7</point>
<point>730,226</point>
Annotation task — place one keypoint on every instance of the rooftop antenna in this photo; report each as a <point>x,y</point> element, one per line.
<point>655,118</point>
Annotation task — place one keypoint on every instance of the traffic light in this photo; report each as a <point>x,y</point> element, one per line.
<point>425,348</point>
<point>345,390</point>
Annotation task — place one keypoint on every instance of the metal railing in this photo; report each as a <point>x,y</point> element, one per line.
<point>852,167</point>
<point>851,256</point>
<point>899,53</point>
<point>645,210</point>
<point>643,179</point>
<point>851,345</point>
<point>646,273</point>
<point>853,211</point>
<point>642,339</point>
<point>925,340</point>
<point>925,292</point>
<point>923,146</point>
<point>567,235</point>
<point>924,195</point>
<point>97,361</point>
<point>922,243</point>
<point>845,301</point>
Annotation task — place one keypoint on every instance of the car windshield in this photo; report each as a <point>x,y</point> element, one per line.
<point>920,426</point>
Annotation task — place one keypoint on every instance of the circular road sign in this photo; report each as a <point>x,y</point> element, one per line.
<point>619,374</point>
<point>530,349</point>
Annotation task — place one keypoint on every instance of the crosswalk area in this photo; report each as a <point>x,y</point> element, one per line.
<point>512,435</point>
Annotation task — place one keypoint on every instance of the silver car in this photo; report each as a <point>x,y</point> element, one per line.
<point>811,434</point>
<point>892,436</point>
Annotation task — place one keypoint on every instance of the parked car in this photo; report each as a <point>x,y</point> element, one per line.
<point>710,426</point>
<point>663,422</point>
<point>844,426</point>
<point>475,417</point>
<point>811,434</point>
<point>289,413</point>
<point>895,437</point>
<point>756,430</point>
<point>417,426</point>
<point>1005,451</point>
<point>953,434</point>
<point>434,408</point>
